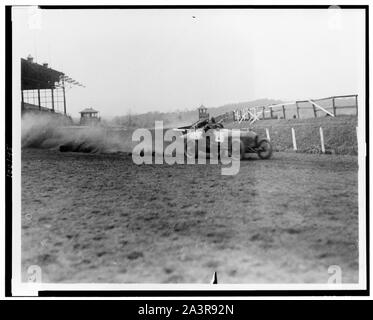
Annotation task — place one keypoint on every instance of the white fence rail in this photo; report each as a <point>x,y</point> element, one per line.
<point>325,106</point>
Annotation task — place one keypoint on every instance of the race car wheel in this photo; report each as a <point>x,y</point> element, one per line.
<point>264,149</point>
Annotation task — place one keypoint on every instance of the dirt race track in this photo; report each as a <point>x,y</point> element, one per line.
<point>101,218</point>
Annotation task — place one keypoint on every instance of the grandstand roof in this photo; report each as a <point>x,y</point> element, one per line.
<point>36,76</point>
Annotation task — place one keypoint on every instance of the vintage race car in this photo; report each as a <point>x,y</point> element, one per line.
<point>216,138</point>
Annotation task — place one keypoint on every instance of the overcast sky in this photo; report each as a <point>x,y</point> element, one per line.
<point>147,60</point>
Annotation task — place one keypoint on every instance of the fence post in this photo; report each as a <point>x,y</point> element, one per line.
<point>334,108</point>
<point>314,110</point>
<point>267,134</point>
<point>294,141</point>
<point>283,111</point>
<point>296,103</point>
<point>322,140</point>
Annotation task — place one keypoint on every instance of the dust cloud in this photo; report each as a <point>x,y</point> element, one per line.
<point>58,132</point>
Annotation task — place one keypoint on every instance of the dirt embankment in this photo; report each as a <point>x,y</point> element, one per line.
<point>339,134</point>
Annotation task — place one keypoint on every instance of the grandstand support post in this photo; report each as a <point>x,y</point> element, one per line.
<point>334,108</point>
<point>64,97</point>
<point>283,111</point>
<point>23,101</point>
<point>52,93</point>
<point>356,105</point>
<point>39,104</point>
<point>294,140</point>
<point>322,140</point>
<point>296,103</point>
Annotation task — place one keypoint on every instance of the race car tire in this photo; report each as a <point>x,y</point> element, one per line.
<point>264,149</point>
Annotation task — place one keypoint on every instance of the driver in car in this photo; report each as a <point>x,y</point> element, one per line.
<point>211,125</point>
